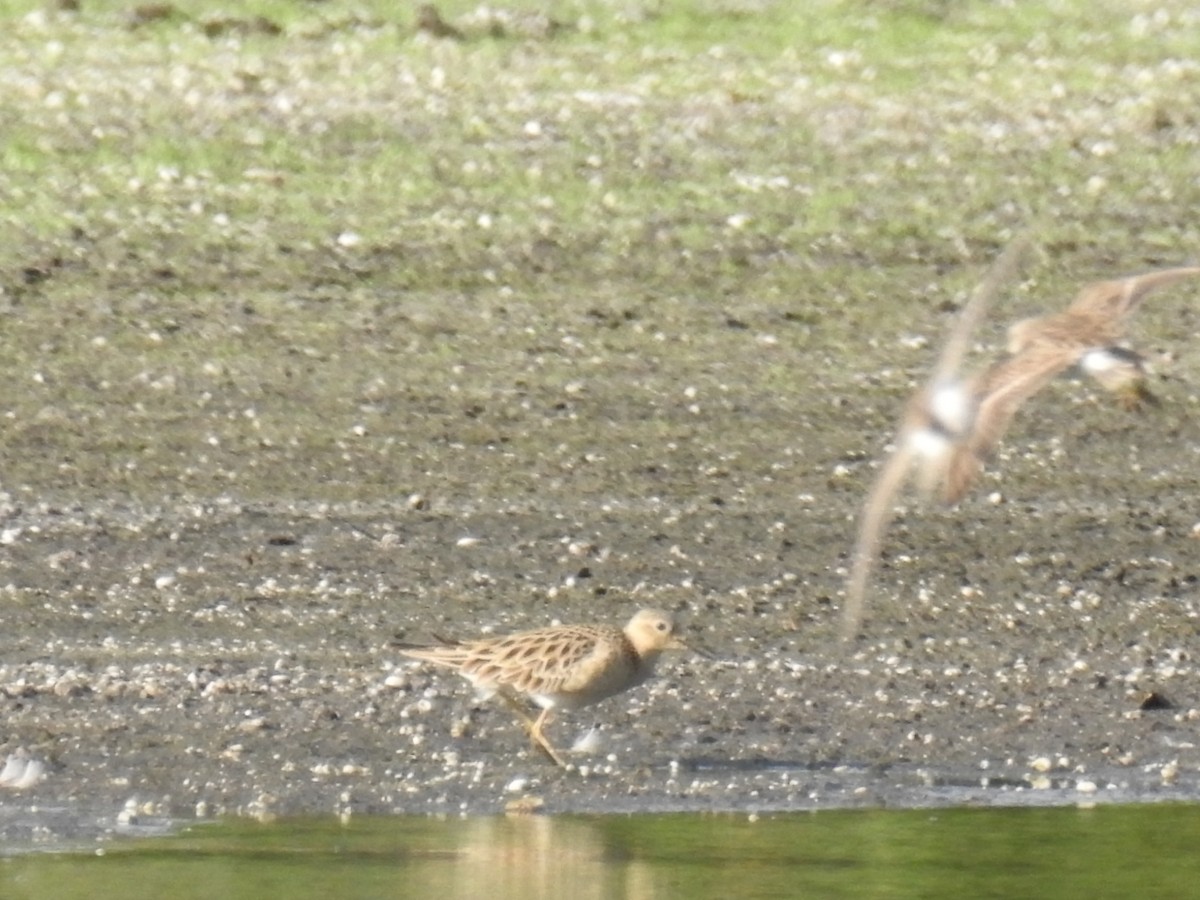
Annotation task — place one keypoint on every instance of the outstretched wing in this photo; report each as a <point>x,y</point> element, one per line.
<point>877,511</point>
<point>1010,383</point>
<point>876,515</point>
<point>1117,299</point>
<point>958,341</point>
<point>1000,391</point>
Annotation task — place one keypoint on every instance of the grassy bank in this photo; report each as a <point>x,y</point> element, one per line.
<point>312,248</point>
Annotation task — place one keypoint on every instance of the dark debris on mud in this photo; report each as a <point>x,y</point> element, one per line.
<point>196,660</point>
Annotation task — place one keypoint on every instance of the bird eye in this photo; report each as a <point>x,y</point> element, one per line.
<point>661,626</point>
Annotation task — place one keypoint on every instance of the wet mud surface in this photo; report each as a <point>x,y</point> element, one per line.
<point>208,658</point>
<point>468,337</point>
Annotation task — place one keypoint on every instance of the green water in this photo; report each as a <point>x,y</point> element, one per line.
<point>1115,851</point>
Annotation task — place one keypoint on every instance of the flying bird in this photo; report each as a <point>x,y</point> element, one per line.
<point>953,424</point>
<point>1088,333</point>
<point>937,419</point>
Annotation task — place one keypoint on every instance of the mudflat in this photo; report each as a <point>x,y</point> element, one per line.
<point>339,332</point>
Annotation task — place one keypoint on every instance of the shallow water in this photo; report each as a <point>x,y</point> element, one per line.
<point>1107,851</point>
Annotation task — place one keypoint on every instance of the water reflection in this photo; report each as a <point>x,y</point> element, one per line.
<point>537,856</point>
<point>1117,851</point>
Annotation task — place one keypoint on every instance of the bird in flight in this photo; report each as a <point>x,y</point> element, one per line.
<point>937,419</point>
<point>953,424</point>
<point>1088,333</point>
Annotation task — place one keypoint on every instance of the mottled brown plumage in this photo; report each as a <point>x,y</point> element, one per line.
<point>562,666</point>
<point>1087,333</point>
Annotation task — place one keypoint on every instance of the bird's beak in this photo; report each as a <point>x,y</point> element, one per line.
<point>678,644</point>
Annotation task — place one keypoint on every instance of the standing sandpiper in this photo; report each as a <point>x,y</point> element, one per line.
<point>559,667</point>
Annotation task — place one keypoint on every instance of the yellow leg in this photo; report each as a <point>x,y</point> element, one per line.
<point>519,710</point>
<point>534,729</point>
<point>538,738</point>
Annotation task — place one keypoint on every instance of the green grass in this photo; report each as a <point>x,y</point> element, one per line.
<point>278,221</point>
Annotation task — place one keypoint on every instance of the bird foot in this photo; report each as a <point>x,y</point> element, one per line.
<point>1136,398</point>
<point>553,755</point>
